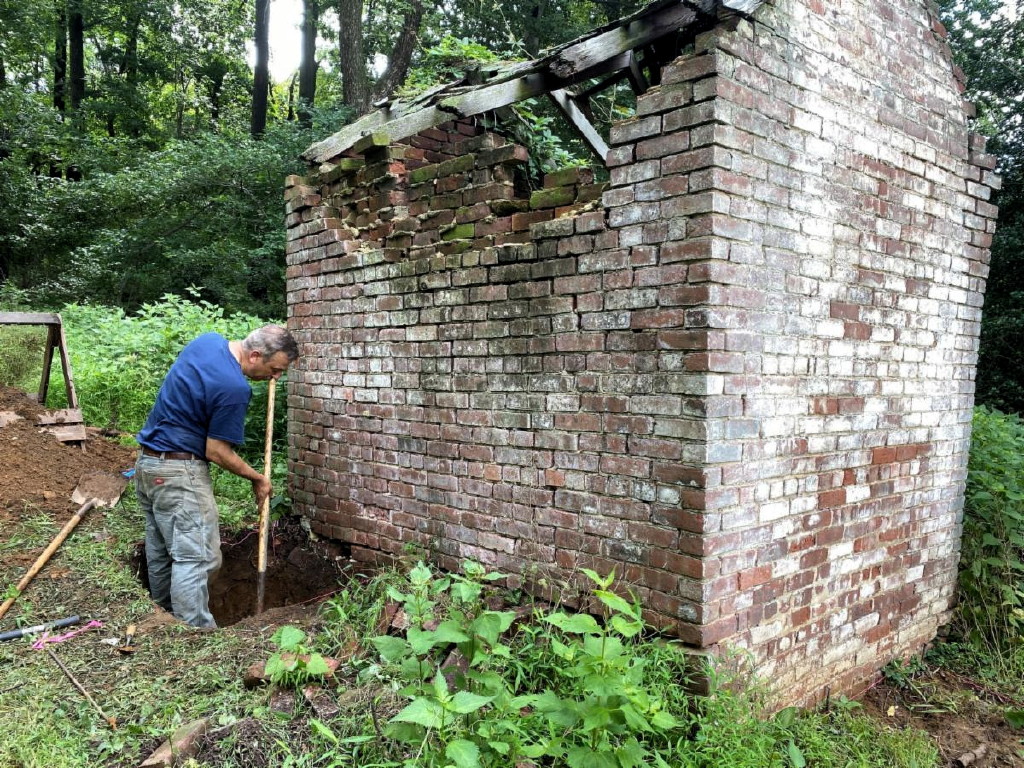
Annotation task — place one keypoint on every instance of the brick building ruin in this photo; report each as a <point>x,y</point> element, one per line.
<point>740,372</point>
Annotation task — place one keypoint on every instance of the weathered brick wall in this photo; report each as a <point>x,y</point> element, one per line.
<point>744,378</point>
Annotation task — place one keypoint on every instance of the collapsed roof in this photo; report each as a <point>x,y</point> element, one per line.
<point>632,49</point>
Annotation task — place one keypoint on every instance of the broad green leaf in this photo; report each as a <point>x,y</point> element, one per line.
<point>464,753</point>
<point>628,628</point>
<point>316,666</point>
<point>602,581</point>
<point>491,624</point>
<point>535,750</point>
<point>391,649</point>
<point>578,623</point>
<point>664,721</point>
<point>288,638</point>
<point>635,720</point>
<point>422,640</point>
<point>501,747</point>
<point>786,717</point>
<point>796,757</point>
<point>440,687</point>
<point>420,575</point>
<point>585,757</point>
<point>277,666</point>
<point>465,702</point>
<point>630,754</point>
<point>423,712</point>
<point>1015,717</point>
<point>409,733</point>
<point>562,650</point>
<point>614,601</point>
<point>596,717</point>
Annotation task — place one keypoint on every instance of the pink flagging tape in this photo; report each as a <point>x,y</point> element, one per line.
<point>47,638</point>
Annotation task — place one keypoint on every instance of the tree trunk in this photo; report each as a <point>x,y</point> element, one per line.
<point>261,75</point>
<point>308,65</point>
<point>76,53</point>
<point>60,59</point>
<point>355,89</point>
<point>291,96</point>
<point>401,55</point>
<point>130,69</point>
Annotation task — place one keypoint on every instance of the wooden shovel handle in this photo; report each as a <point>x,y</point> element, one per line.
<point>261,570</point>
<point>69,526</point>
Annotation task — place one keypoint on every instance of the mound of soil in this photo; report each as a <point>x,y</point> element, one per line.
<point>41,472</point>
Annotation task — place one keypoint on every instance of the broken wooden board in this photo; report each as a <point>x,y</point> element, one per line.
<point>67,424</point>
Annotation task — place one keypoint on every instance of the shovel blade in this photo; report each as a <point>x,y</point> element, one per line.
<point>105,487</point>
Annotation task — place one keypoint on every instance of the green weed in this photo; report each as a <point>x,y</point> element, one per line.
<point>990,609</point>
<point>294,664</point>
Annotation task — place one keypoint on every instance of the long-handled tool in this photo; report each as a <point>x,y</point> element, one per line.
<point>112,722</point>
<point>261,569</point>
<point>37,566</point>
<point>100,489</point>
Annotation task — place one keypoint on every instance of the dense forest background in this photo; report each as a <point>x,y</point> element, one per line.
<point>143,143</point>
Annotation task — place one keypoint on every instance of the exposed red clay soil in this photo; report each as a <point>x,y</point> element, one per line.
<point>39,471</point>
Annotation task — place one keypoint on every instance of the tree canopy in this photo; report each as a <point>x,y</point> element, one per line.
<point>987,37</point>
<point>143,152</point>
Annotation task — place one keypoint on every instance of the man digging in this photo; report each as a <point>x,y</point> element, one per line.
<point>199,417</point>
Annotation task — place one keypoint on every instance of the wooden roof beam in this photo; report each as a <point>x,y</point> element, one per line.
<point>586,130</point>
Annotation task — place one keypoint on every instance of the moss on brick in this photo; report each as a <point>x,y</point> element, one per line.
<point>508,207</point>
<point>459,164</point>
<point>552,198</point>
<point>426,173</point>
<point>568,176</point>
<point>458,232</point>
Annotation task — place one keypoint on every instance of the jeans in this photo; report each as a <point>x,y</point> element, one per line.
<point>182,535</point>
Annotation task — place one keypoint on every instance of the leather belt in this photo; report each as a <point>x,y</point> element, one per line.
<point>174,455</point>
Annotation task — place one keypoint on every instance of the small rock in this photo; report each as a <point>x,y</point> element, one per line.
<point>282,701</point>
<point>321,701</point>
<point>183,744</point>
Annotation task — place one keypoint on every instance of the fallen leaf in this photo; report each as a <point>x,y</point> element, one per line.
<point>891,711</point>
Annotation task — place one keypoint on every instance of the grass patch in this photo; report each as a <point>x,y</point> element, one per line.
<point>179,674</point>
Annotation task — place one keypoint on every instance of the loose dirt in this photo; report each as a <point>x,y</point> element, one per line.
<point>39,471</point>
<point>966,720</point>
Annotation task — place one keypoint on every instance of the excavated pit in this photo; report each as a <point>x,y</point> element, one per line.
<point>299,571</point>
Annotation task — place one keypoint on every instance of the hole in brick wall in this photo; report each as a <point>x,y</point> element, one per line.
<point>298,571</point>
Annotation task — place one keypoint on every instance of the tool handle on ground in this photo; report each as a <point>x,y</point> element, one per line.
<point>261,570</point>
<point>37,566</point>
<point>14,634</point>
<point>112,722</point>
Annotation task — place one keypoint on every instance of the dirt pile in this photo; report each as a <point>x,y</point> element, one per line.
<point>41,472</point>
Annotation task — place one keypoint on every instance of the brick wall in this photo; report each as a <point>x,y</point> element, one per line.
<point>742,375</point>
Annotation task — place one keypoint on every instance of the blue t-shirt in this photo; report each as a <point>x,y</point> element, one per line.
<point>205,394</point>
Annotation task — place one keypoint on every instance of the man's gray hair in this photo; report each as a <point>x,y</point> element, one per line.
<point>271,339</point>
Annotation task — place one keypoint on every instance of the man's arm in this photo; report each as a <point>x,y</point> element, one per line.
<point>223,455</point>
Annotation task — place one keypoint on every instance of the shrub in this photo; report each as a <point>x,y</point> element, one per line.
<point>990,609</point>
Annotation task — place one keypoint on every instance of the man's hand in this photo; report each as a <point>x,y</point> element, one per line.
<point>223,455</point>
<point>262,490</point>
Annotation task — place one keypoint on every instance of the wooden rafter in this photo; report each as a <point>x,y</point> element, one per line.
<point>608,53</point>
